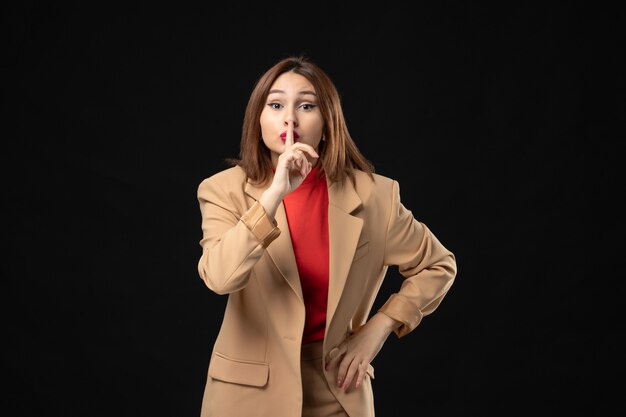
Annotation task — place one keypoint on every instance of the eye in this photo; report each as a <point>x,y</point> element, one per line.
<point>308,106</point>
<point>274,106</point>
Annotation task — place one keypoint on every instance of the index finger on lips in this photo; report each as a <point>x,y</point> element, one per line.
<point>289,138</point>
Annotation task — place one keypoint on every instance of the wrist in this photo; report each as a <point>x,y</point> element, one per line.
<point>270,199</point>
<point>274,194</point>
<point>386,322</point>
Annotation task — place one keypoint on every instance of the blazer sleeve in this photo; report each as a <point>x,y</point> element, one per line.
<point>428,267</point>
<point>232,242</point>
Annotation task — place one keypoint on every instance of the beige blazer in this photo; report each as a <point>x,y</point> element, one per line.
<point>254,368</point>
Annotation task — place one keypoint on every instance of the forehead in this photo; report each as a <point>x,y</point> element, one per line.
<point>290,81</point>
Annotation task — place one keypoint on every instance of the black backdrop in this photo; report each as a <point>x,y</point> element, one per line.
<point>501,123</point>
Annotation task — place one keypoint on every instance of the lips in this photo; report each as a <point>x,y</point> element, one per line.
<point>283,136</point>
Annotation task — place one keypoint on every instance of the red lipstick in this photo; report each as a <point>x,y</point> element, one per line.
<point>283,135</point>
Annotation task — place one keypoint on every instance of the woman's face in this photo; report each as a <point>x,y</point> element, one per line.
<point>291,99</point>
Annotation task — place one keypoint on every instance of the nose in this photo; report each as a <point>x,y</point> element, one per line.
<point>290,117</point>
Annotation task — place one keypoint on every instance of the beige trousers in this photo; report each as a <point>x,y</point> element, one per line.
<point>318,399</point>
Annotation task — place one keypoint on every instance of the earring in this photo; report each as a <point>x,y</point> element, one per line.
<point>323,138</point>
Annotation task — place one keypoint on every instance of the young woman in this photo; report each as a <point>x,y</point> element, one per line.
<point>299,233</point>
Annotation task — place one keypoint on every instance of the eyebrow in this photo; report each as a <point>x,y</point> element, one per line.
<point>302,93</point>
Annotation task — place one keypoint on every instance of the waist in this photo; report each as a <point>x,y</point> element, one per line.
<point>313,350</point>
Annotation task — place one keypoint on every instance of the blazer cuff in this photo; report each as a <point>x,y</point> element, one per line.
<point>399,308</point>
<point>259,223</point>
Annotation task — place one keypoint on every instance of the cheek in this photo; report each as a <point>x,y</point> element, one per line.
<point>317,128</point>
<point>263,120</point>
<point>267,124</point>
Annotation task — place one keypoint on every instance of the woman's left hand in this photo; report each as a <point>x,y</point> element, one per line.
<point>353,355</point>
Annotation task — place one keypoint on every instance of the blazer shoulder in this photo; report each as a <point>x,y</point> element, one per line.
<point>228,178</point>
<point>380,189</point>
<point>228,174</point>
<point>380,183</point>
<point>383,181</point>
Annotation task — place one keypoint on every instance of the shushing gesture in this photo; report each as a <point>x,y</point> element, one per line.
<point>294,164</point>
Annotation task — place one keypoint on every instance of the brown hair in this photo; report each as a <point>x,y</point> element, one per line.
<point>339,154</point>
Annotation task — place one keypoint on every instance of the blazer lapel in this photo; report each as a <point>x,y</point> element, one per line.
<point>344,231</point>
<point>281,249</point>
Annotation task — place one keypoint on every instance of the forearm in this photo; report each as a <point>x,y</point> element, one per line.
<point>428,266</point>
<point>231,251</point>
<point>421,293</point>
<point>384,323</point>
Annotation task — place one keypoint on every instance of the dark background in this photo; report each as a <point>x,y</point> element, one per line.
<point>503,125</point>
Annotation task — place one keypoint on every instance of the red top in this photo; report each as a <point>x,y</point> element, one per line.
<point>307,214</point>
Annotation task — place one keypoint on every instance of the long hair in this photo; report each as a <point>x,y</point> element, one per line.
<point>338,153</point>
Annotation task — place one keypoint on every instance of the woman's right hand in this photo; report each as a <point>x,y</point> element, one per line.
<point>292,167</point>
